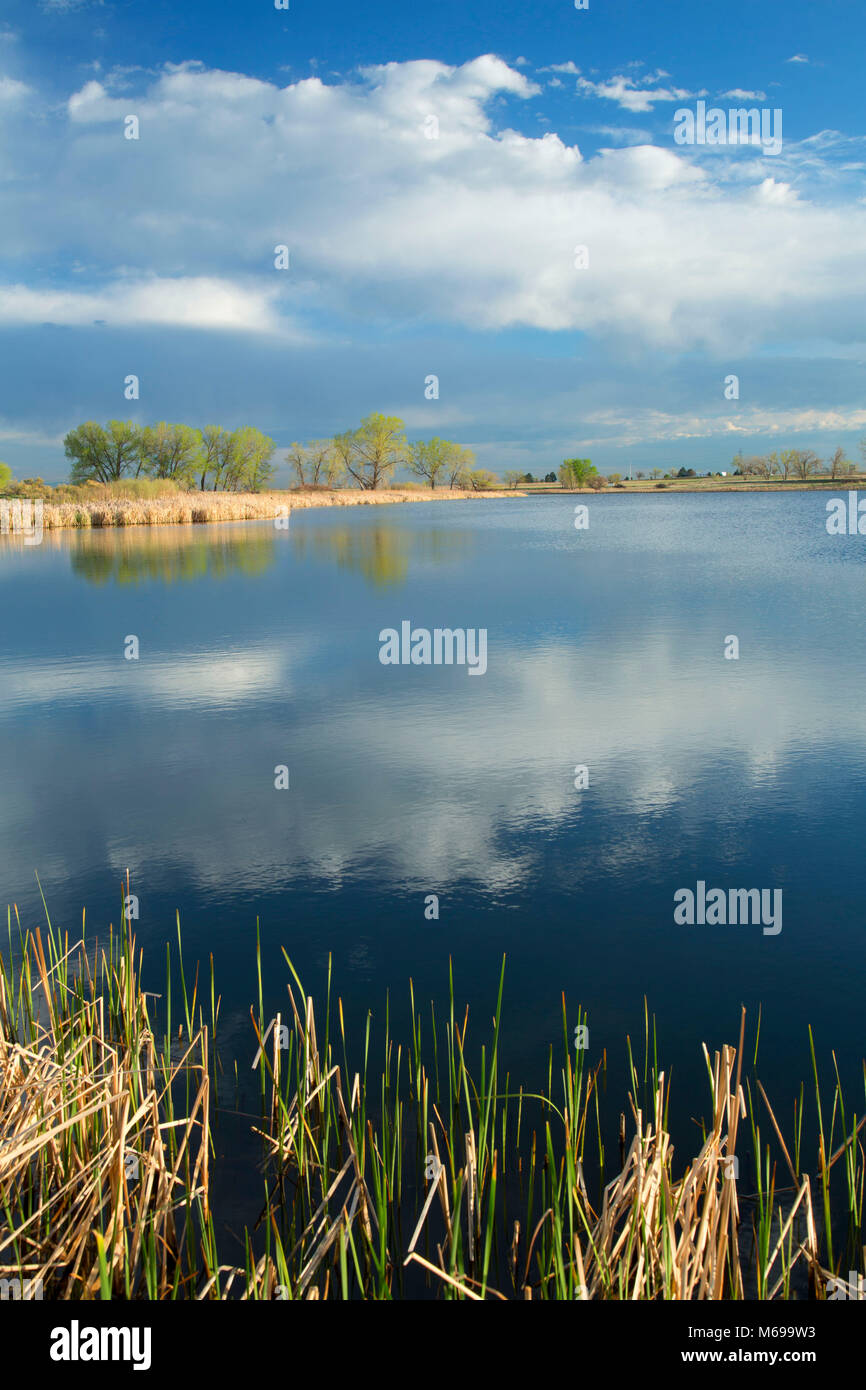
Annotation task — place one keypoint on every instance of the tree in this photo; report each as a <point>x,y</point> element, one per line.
<point>5,474</point>
<point>786,462</point>
<point>481,479</point>
<point>527,478</point>
<point>596,481</point>
<point>805,462</point>
<point>103,455</point>
<point>171,451</point>
<point>772,465</point>
<point>550,477</point>
<point>460,464</point>
<point>614,478</point>
<point>371,452</point>
<point>511,477</point>
<point>575,472</point>
<point>250,467</point>
<point>640,477</point>
<point>686,473</point>
<point>212,458</point>
<point>315,464</point>
<point>430,459</point>
<point>657,472</point>
<point>296,456</point>
<point>840,466</point>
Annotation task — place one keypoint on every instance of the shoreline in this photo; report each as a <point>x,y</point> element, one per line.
<point>204,509</point>
<point>208,508</point>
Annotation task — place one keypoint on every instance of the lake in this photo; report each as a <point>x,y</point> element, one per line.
<point>259,649</point>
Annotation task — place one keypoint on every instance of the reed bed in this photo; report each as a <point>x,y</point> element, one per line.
<point>417,1178</point>
<point>191,508</point>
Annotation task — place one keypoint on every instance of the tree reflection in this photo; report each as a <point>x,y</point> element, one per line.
<point>169,557</point>
<point>381,552</point>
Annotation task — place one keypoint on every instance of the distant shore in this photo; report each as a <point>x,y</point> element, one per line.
<point>203,508</point>
<point>703,485</point>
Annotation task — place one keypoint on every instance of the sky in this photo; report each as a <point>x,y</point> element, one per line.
<point>432,172</point>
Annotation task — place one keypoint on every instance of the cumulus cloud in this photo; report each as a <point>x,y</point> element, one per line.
<point>476,226</point>
<point>717,249</point>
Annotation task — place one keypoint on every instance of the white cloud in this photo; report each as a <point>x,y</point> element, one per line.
<point>631,96</point>
<point>635,426</point>
<point>797,58</point>
<point>738,94</point>
<point>12,90</point>
<point>477,227</point>
<point>201,302</point>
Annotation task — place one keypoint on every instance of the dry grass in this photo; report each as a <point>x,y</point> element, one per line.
<point>189,508</point>
<point>420,1180</point>
<point>94,1166</point>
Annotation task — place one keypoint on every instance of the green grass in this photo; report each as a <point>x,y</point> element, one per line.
<point>402,1168</point>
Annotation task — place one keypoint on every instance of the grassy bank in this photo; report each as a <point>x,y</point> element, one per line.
<point>189,508</point>
<point>417,1178</point>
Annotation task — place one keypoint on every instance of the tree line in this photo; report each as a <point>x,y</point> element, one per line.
<point>212,458</point>
<point>240,460</point>
<point>368,456</point>
<point>796,463</point>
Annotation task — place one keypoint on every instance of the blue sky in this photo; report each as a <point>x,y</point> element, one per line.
<point>454,255</point>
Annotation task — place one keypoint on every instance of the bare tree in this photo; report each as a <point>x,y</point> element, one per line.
<point>806,462</point>
<point>839,465</point>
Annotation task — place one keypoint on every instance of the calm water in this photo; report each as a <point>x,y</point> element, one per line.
<point>605,648</point>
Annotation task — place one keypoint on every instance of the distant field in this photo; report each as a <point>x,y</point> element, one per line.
<point>707,485</point>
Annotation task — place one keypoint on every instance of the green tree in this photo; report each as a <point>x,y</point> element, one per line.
<point>460,465</point>
<point>250,468</point>
<point>511,477</point>
<point>103,455</point>
<point>430,459</point>
<point>576,472</point>
<point>171,451</point>
<point>372,452</point>
<point>212,461</point>
<point>481,479</point>
<point>5,474</point>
